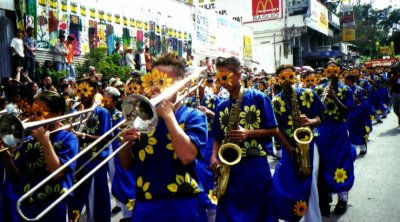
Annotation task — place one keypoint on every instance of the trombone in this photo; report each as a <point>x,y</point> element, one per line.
<point>13,130</point>
<point>139,113</point>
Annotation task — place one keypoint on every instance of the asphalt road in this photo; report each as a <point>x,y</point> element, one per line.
<point>375,195</point>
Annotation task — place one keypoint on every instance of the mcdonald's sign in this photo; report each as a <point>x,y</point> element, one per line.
<point>263,10</point>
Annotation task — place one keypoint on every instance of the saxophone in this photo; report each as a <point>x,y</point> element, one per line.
<point>324,94</point>
<point>303,137</point>
<point>229,153</point>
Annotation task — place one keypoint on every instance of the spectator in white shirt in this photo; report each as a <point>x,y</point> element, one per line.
<point>130,58</point>
<point>60,54</point>
<point>17,46</point>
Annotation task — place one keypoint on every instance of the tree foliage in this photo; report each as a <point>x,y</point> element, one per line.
<point>107,65</point>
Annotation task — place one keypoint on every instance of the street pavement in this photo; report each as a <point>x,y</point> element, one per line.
<point>375,195</point>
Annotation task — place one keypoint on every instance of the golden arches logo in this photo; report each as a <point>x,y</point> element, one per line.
<point>263,4</point>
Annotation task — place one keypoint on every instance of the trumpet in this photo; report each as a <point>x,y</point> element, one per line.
<point>139,113</point>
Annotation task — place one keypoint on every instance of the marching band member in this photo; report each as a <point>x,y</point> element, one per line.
<point>394,83</point>
<point>296,195</point>
<point>94,193</point>
<point>163,160</point>
<point>40,157</point>
<point>336,158</point>
<point>122,184</point>
<point>249,190</point>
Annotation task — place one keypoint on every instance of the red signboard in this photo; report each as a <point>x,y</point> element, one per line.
<point>264,10</point>
<point>380,62</point>
<point>262,7</point>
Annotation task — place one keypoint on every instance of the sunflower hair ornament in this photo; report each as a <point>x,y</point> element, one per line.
<point>309,80</point>
<point>38,112</point>
<point>106,101</point>
<point>133,88</point>
<point>287,76</point>
<point>155,81</point>
<point>83,89</point>
<point>224,78</point>
<point>332,70</point>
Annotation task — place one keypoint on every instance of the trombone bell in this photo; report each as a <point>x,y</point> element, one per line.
<point>12,131</point>
<point>139,113</point>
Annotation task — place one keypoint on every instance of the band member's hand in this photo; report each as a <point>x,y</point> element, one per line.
<point>303,121</point>
<point>205,110</point>
<point>130,135</point>
<point>331,93</point>
<point>40,134</point>
<point>238,135</point>
<point>164,108</point>
<point>214,163</point>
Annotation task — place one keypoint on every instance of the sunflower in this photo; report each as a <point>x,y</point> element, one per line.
<point>287,76</point>
<point>340,175</point>
<point>345,72</point>
<point>38,112</point>
<point>184,185</point>
<point>225,78</point>
<point>163,80</point>
<point>355,72</point>
<point>210,102</point>
<point>279,105</point>
<point>24,106</point>
<point>146,143</point>
<point>35,156</point>
<point>342,92</point>
<point>250,118</point>
<point>224,119</point>
<point>331,108</point>
<point>170,145</point>
<point>252,148</point>
<point>133,88</point>
<point>83,89</point>
<point>332,70</point>
<point>309,80</point>
<point>307,97</point>
<point>149,82</point>
<point>51,192</point>
<point>106,101</point>
<point>92,125</point>
<point>300,208</point>
<point>142,191</point>
<point>289,131</point>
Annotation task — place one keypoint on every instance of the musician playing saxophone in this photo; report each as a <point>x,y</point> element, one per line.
<point>249,190</point>
<point>296,196</point>
<point>163,160</point>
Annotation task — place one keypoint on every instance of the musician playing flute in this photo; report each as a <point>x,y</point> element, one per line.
<point>296,196</point>
<point>336,172</point>
<point>43,154</point>
<point>163,160</point>
<point>248,195</point>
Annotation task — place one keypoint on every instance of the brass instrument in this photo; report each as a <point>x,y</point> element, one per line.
<point>303,137</point>
<point>229,153</point>
<point>139,112</point>
<point>325,92</point>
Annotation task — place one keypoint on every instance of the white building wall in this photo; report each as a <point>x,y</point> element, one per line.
<point>7,4</point>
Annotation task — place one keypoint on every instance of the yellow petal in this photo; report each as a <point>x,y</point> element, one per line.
<point>180,179</point>
<point>173,187</point>
<point>187,178</point>
<point>152,141</point>
<point>142,155</point>
<point>148,196</point>
<point>139,182</point>
<point>149,149</point>
<point>146,186</point>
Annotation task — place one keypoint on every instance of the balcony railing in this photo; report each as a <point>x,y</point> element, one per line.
<point>297,7</point>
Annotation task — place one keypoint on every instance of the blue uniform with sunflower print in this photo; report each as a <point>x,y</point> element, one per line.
<point>292,192</point>
<point>336,160</point>
<point>31,162</point>
<point>249,195</point>
<point>98,124</point>
<point>167,190</point>
<point>356,118</point>
<point>123,187</point>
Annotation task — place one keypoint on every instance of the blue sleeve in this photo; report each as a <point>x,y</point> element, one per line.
<point>349,99</point>
<point>216,130</point>
<point>197,130</point>
<point>104,121</point>
<point>317,107</point>
<point>68,149</point>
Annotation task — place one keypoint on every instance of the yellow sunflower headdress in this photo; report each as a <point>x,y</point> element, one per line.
<point>224,78</point>
<point>332,70</point>
<point>309,80</point>
<point>83,89</point>
<point>38,112</point>
<point>155,81</point>
<point>133,88</point>
<point>287,76</point>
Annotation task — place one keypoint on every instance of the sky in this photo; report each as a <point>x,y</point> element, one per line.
<point>381,4</point>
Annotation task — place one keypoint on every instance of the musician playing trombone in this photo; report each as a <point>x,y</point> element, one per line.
<point>296,195</point>
<point>93,193</point>
<point>163,159</point>
<point>42,155</point>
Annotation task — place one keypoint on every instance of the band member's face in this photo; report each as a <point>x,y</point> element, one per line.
<point>169,70</point>
<point>108,101</point>
<point>229,80</point>
<point>287,77</point>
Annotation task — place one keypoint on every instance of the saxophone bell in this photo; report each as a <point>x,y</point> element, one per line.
<point>303,137</point>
